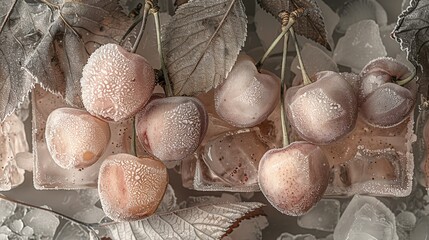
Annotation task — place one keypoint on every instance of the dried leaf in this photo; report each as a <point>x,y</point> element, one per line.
<point>309,25</point>
<point>201,43</point>
<point>17,38</point>
<point>411,31</point>
<point>71,31</point>
<point>201,222</point>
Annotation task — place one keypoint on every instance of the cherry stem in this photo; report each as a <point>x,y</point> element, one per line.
<point>87,226</point>
<point>283,90</point>
<point>147,6</point>
<point>306,80</point>
<point>285,29</point>
<point>168,88</point>
<point>407,79</point>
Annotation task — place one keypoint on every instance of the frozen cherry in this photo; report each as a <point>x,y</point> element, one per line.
<point>131,188</point>
<point>294,178</point>
<point>75,138</point>
<point>172,128</point>
<point>383,102</point>
<point>323,111</point>
<point>247,97</point>
<point>116,84</point>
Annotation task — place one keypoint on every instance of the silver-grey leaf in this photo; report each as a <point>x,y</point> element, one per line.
<point>201,43</point>
<point>73,30</point>
<point>201,222</point>
<point>17,40</point>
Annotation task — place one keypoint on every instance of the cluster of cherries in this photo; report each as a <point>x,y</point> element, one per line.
<point>118,85</point>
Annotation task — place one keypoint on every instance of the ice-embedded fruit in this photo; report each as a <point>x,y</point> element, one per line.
<point>294,178</point>
<point>323,111</point>
<point>131,188</point>
<point>383,103</point>
<point>172,128</point>
<point>75,138</point>
<point>247,97</point>
<point>115,83</point>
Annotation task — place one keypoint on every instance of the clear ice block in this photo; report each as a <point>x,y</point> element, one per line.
<point>361,44</point>
<point>323,216</point>
<point>371,160</point>
<point>47,174</point>
<point>366,218</point>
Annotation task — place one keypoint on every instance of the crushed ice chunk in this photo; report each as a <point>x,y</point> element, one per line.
<point>354,11</point>
<point>42,222</point>
<point>90,215</point>
<point>71,231</point>
<point>27,231</point>
<point>361,44</point>
<point>323,216</point>
<point>16,226</point>
<point>392,46</point>
<point>6,210</point>
<point>421,231</point>
<point>366,218</point>
<point>406,220</point>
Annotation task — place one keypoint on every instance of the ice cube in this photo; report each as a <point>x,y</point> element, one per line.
<point>47,175</point>
<point>72,231</point>
<point>288,236</point>
<point>361,44</point>
<point>323,216</point>
<point>354,11</point>
<point>366,218</point>
<point>16,226</point>
<point>406,220</point>
<point>42,222</point>
<point>315,60</point>
<point>421,231</point>
<point>6,210</point>
<point>88,196</point>
<point>392,46</point>
<point>91,214</point>
<point>235,156</point>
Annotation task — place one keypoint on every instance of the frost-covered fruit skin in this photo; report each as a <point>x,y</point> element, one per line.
<point>294,178</point>
<point>247,97</point>
<point>172,128</point>
<point>323,111</point>
<point>384,103</point>
<point>75,138</point>
<point>131,188</point>
<point>115,83</point>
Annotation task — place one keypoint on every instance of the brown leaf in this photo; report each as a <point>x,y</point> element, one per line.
<point>309,25</point>
<point>73,30</point>
<point>201,44</point>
